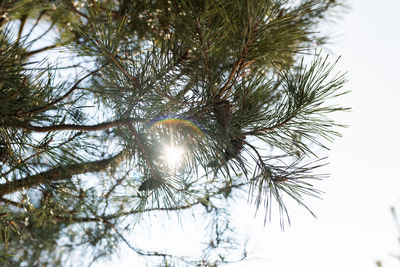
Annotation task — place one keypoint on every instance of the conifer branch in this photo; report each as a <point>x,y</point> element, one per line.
<point>84,128</point>
<point>58,173</point>
<point>97,218</point>
<point>66,219</point>
<point>54,102</point>
<point>118,65</point>
<point>203,49</point>
<point>44,33</point>
<point>273,127</point>
<point>41,14</point>
<point>202,74</point>
<point>40,50</point>
<point>21,27</point>
<point>240,64</point>
<point>10,202</point>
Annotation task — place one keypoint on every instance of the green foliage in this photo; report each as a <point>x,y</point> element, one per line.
<point>86,141</point>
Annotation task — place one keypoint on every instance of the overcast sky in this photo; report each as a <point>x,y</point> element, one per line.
<point>354,225</point>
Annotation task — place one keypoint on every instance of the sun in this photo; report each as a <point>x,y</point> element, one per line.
<point>172,155</point>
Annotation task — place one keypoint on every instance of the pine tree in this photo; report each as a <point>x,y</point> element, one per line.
<point>155,106</point>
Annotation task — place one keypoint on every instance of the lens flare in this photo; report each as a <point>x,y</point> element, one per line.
<point>172,156</point>
<point>178,123</point>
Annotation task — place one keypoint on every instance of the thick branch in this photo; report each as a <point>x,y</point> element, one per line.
<point>85,128</point>
<point>58,173</point>
<point>118,215</point>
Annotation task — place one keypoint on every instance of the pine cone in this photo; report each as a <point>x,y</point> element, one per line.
<point>235,148</point>
<point>237,145</point>
<point>222,112</point>
<point>149,184</point>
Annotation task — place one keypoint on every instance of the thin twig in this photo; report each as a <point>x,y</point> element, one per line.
<point>43,34</point>
<point>49,105</point>
<point>10,202</point>
<point>273,127</point>
<point>239,64</point>
<point>21,27</point>
<point>40,50</point>
<point>118,65</point>
<point>41,14</point>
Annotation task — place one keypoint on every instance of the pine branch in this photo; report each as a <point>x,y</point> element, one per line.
<point>59,173</point>
<point>145,77</point>
<point>84,128</point>
<point>10,202</point>
<point>119,215</point>
<point>54,102</point>
<point>203,48</point>
<point>21,27</point>
<point>103,218</point>
<point>133,79</point>
<point>41,14</point>
<point>40,50</point>
<point>273,127</point>
<point>240,64</point>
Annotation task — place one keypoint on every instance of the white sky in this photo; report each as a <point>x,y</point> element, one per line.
<point>354,225</point>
